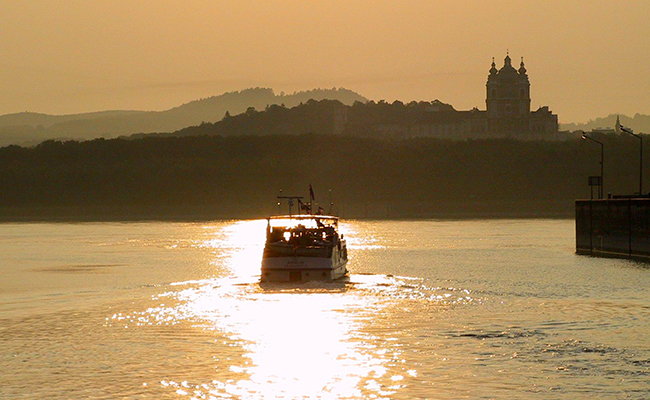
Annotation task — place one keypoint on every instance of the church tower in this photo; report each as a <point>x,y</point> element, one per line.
<point>508,99</point>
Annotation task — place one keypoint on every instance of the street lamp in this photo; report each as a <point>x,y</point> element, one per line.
<point>585,137</point>
<point>629,131</point>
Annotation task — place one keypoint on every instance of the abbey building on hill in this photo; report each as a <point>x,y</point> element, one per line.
<point>507,113</point>
<point>508,103</point>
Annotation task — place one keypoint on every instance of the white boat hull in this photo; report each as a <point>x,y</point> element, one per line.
<point>294,269</point>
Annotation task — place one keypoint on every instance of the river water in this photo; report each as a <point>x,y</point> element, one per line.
<point>474,309</point>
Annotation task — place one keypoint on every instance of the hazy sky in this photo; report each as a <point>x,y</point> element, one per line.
<point>585,59</point>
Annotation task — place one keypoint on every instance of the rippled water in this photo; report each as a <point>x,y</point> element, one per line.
<point>432,309</point>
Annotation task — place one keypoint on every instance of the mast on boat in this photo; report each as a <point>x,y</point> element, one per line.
<point>290,200</point>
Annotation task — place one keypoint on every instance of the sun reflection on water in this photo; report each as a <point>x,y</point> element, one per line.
<point>292,342</point>
<point>242,244</point>
<point>357,241</point>
<point>310,340</point>
<point>296,342</point>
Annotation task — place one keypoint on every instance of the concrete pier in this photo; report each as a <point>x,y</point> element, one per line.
<point>618,227</point>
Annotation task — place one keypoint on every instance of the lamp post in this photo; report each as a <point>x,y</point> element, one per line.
<point>585,137</point>
<point>629,131</point>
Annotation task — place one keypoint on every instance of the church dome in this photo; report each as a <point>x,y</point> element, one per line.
<point>508,74</point>
<point>507,66</point>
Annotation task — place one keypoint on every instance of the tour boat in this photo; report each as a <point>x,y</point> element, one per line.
<point>303,247</point>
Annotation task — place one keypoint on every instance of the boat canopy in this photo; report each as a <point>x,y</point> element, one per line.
<point>307,220</point>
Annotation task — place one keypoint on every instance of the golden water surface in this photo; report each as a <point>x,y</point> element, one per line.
<point>432,309</point>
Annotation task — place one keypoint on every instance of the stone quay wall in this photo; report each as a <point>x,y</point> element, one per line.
<point>614,228</point>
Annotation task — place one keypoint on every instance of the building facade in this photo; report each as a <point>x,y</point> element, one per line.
<point>508,113</point>
<point>508,103</point>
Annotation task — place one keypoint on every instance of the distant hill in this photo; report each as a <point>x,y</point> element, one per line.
<point>31,128</point>
<point>639,123</point>
<point>30,119</point>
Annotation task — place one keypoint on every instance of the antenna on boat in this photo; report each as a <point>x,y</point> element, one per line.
<point>331,204</point>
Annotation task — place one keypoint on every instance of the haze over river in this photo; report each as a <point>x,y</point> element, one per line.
<point>473,309</point>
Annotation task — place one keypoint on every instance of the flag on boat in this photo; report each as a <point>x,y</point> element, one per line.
<point>304,207</point>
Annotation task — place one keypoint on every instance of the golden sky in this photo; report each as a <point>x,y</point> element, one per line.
<point>585,58</point>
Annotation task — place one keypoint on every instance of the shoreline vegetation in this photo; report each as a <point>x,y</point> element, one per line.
<point>373,211</point>
<point>197,178</point>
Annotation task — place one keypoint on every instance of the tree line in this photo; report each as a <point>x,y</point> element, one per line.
<point>240,176</point>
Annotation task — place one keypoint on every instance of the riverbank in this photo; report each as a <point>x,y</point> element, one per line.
<point>357,210</point>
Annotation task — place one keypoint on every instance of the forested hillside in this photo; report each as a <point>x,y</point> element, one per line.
<point>32,128</point>
<point>361,119</point>
<point>227,177</point>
